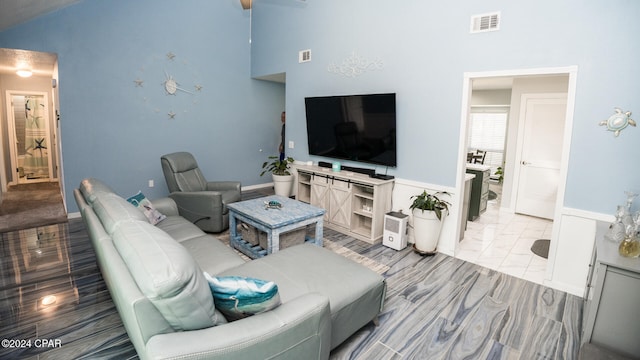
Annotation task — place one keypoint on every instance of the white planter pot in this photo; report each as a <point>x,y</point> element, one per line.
<point>426,230</point>
<point>282,184</point>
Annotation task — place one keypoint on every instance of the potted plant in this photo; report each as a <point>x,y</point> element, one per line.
<point>279,169</point>
<point>428,215</point>
<point>500,173</point>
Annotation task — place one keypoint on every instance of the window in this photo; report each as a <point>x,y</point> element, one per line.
<point>487,129</point>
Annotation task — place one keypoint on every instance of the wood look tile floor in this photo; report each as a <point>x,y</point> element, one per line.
<point>436,307</point>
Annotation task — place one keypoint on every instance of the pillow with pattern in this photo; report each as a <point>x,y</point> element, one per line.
<point>143,204</point>
<point>237,297</point>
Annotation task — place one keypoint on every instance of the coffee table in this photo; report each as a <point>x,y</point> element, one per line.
<point>274,221</point>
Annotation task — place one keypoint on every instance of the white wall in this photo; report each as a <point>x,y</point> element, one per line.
<point>491,97</point>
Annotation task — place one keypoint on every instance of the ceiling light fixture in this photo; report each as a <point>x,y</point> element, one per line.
<point>49,300</point>
<point>25,73</point>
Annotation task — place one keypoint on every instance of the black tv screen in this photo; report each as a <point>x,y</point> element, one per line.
<point>353,127</point>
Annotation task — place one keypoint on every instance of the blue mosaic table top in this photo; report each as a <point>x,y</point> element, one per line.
<point>292,211</point>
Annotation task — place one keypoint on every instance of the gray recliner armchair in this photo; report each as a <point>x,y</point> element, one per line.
<point>202,202</point>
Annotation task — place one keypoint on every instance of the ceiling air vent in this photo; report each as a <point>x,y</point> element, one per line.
<point>304,56</point>
<point>485,22</point>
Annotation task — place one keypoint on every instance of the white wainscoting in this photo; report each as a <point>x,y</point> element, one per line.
<point>571,250</point>
<point>401,200</point>
<point>569,253</point>
<point>571,246</point>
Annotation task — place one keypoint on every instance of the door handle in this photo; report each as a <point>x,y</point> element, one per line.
<point>525,162</point>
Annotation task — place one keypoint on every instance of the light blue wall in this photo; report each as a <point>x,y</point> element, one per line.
<point>426,48</point>
<point>115,131</point>
<point>112,130</point>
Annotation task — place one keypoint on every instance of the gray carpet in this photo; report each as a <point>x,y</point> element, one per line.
<point>30,205</point>
<point>541,247</point>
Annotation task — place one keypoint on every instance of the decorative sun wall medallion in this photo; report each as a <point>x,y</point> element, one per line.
<point>355,65</point>
<point>618,121</point>
<point>183,94</point>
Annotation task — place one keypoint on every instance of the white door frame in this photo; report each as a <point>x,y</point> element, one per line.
<point>572,72</point>
<point>12,134</point>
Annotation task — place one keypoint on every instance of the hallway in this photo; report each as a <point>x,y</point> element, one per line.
<point>29,205</point>
<point>502,241</point>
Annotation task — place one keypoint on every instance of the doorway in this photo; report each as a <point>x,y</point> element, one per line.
<point>29,136</point>
<point>516,131</point>
<point>37,164</point>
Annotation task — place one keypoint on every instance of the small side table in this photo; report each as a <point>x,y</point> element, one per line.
<point>293,215</point>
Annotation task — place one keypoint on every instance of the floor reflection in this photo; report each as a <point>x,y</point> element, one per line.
<point>37,275</point>
<point>50,288</point>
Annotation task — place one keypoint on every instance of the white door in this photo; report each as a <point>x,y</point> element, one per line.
<point>542,122</point>
<point>29,137</point>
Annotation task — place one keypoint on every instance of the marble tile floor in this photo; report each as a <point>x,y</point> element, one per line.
<point>501,241</point>
<point>436,307</point>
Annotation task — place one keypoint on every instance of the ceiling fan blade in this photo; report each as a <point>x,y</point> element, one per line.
<point>247,4</point>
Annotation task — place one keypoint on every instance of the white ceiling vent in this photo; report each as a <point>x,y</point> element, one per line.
<point>485,22</point>
<point>304,56</point>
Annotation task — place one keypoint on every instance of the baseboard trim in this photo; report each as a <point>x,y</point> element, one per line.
<point>588,214</point>
<point>257,186</point>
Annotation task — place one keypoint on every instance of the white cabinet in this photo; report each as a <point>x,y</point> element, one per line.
<point>611,315</point>
<point>355,203</point>
<point>340,203</point>
<point>333,195</point>
<point>319,192</point>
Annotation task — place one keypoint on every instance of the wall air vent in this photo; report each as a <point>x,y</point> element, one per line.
<point>485,22</point>
<point>304,56</point>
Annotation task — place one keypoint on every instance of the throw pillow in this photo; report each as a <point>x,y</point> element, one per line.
<point>143,204</point>
<point>237,297</point>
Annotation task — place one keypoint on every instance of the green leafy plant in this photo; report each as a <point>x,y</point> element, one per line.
<point>432,202</point>
<point>277,166</point>
<point>500,172</point>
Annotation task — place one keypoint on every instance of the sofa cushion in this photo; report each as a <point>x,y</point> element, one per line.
<point>179,228</point>
<point>211,254</point>
<point>90,188</point>
<point>239,297</point>
<point>112,210</point>
<point>355,292</point>
<point>167,275</point>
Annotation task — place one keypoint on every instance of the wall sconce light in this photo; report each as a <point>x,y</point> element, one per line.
<point>246,4</point>
<point>618,121</point>
<point>25,73</point>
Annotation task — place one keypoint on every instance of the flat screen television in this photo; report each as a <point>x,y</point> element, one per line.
<point>353,127</point>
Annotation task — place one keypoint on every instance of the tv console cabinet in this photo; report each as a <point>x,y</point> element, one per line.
<point>355,204</point>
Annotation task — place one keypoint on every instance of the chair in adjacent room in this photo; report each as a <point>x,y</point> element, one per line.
<point>200,201</point>
<point>478,157</point>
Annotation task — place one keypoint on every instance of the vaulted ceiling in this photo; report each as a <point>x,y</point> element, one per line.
<point>14,12</point>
